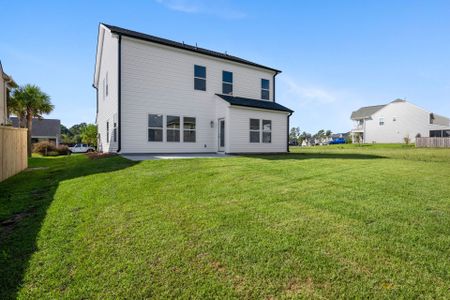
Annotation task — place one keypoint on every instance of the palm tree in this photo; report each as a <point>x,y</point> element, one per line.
<point>27,102</point>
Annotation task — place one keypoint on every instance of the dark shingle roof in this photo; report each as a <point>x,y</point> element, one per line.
<point>366,111</point>
<point>170,43</point>
<point>239,101</point>
<point>42,127</point>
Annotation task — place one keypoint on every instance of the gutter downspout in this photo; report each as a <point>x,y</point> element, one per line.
<point>273,83</point>
<point>119,92</point>
<point>287,144</point>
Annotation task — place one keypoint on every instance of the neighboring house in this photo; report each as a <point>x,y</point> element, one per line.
<point>395,121</point>
<point>159,96</point>
<point>342,135</point>
<point>42,130</point>
<point>6,84</point>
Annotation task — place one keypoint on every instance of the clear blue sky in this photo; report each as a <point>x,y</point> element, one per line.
<point>335,55</point>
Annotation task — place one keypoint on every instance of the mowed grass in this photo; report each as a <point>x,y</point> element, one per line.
<point>322,222</point>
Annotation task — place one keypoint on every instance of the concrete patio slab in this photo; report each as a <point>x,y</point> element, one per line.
<point>153,156</point>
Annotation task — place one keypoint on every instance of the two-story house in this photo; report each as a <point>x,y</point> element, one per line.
<point>396,121</point>
<point>6,84</point>
<point>160,96</point>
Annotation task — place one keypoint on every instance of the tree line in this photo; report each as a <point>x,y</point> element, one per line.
<point>79,133</point>
<point>297,137</point>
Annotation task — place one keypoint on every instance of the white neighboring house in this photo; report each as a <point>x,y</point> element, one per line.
<point>6,84</point>
<point>395,121</point>
<point>159,96</point>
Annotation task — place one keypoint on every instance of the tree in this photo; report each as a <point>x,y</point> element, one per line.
<point>30,101</point>
<point>328,133</point>
<point>294,134</point>
<point>89,134</point>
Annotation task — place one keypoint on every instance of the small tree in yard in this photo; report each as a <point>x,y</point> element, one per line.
<point>89,135</point>
<point>27,102</point>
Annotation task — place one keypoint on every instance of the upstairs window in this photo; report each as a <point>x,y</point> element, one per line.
<point>227,83</point>
<point>199,78</point>
<point>115,132</point>
<point>107,85</point>
<point>189,130</point>
<point>381,121</point>
<point>107,131</point>
<point>265,89</point>
<point>267,131</point>
<point>173,128</point>
<point>155,128</point>
<point>254,131</point>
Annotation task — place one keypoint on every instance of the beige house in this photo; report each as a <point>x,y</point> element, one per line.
<point>6,84</point>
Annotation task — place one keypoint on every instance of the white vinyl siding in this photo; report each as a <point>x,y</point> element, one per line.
<point>159,76</point>
<point>107,91</point>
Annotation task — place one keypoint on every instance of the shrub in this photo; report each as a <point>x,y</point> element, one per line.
<point>44,147</point>
<point>49,149</point>
<point>63,150</point>
<point>407,140</point>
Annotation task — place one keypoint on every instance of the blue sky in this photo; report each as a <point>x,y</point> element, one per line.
<point>335,55</point>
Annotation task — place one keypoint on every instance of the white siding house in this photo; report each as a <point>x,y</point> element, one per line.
<point>6,84</point>
<point>395,121</point>
<point>159,96</point>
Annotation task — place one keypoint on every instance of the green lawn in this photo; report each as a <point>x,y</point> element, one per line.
<point>323,222</point>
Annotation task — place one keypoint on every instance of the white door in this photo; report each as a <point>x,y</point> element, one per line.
<point>221,135</point>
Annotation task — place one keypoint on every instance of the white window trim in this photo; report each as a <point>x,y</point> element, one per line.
<point>381,120</point>
<point>262,89</point>
<point>262,131</point>
<point>173,129</point>
<point>183,129</point>
<point>230,83</point>
<point>148,127</point>
<point>196,77</point>
<point>254,130</point>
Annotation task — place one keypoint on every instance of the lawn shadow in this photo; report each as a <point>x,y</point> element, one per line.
<point>24,200</point>
<point>307,155</point>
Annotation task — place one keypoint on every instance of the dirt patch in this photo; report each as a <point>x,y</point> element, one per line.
<point>98,155</point>
<point>9,224</point>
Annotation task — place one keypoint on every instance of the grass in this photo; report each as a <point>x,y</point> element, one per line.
<point>322,222</point>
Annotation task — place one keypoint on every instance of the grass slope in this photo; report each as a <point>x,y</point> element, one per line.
<point>321,222</point>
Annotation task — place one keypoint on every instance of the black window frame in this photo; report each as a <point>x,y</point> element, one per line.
<point>107,131</point>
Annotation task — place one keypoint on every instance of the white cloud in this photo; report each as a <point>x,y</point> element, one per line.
<point>317,106</point>
<point>220,8</point>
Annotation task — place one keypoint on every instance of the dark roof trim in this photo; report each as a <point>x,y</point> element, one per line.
<point>170,43</point>
<point>254,103</point>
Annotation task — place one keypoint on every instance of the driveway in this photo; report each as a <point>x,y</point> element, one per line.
<point>152,156</point>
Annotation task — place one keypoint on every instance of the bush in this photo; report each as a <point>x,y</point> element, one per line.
<point>44,147</point>
<point>49,149</point>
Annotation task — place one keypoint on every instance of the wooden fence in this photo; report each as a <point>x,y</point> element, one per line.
<point>13,151</point>
<point>433,142</point>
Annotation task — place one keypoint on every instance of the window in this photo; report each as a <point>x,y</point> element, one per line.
<point>381,121</point>
<point>254,131</point>
<point>435,133</point>
<point>189,130</point>
<point>199,78</point>
<point>265,89</point>
<point>115,132</point>
<point>446,133</point>
<point>107,84</point>
<point>155,128</point>
<point>104,88</point>
<point>227,83</point>
<point>107,131</point>
<point>173,128</point>
<point>267,131</point>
